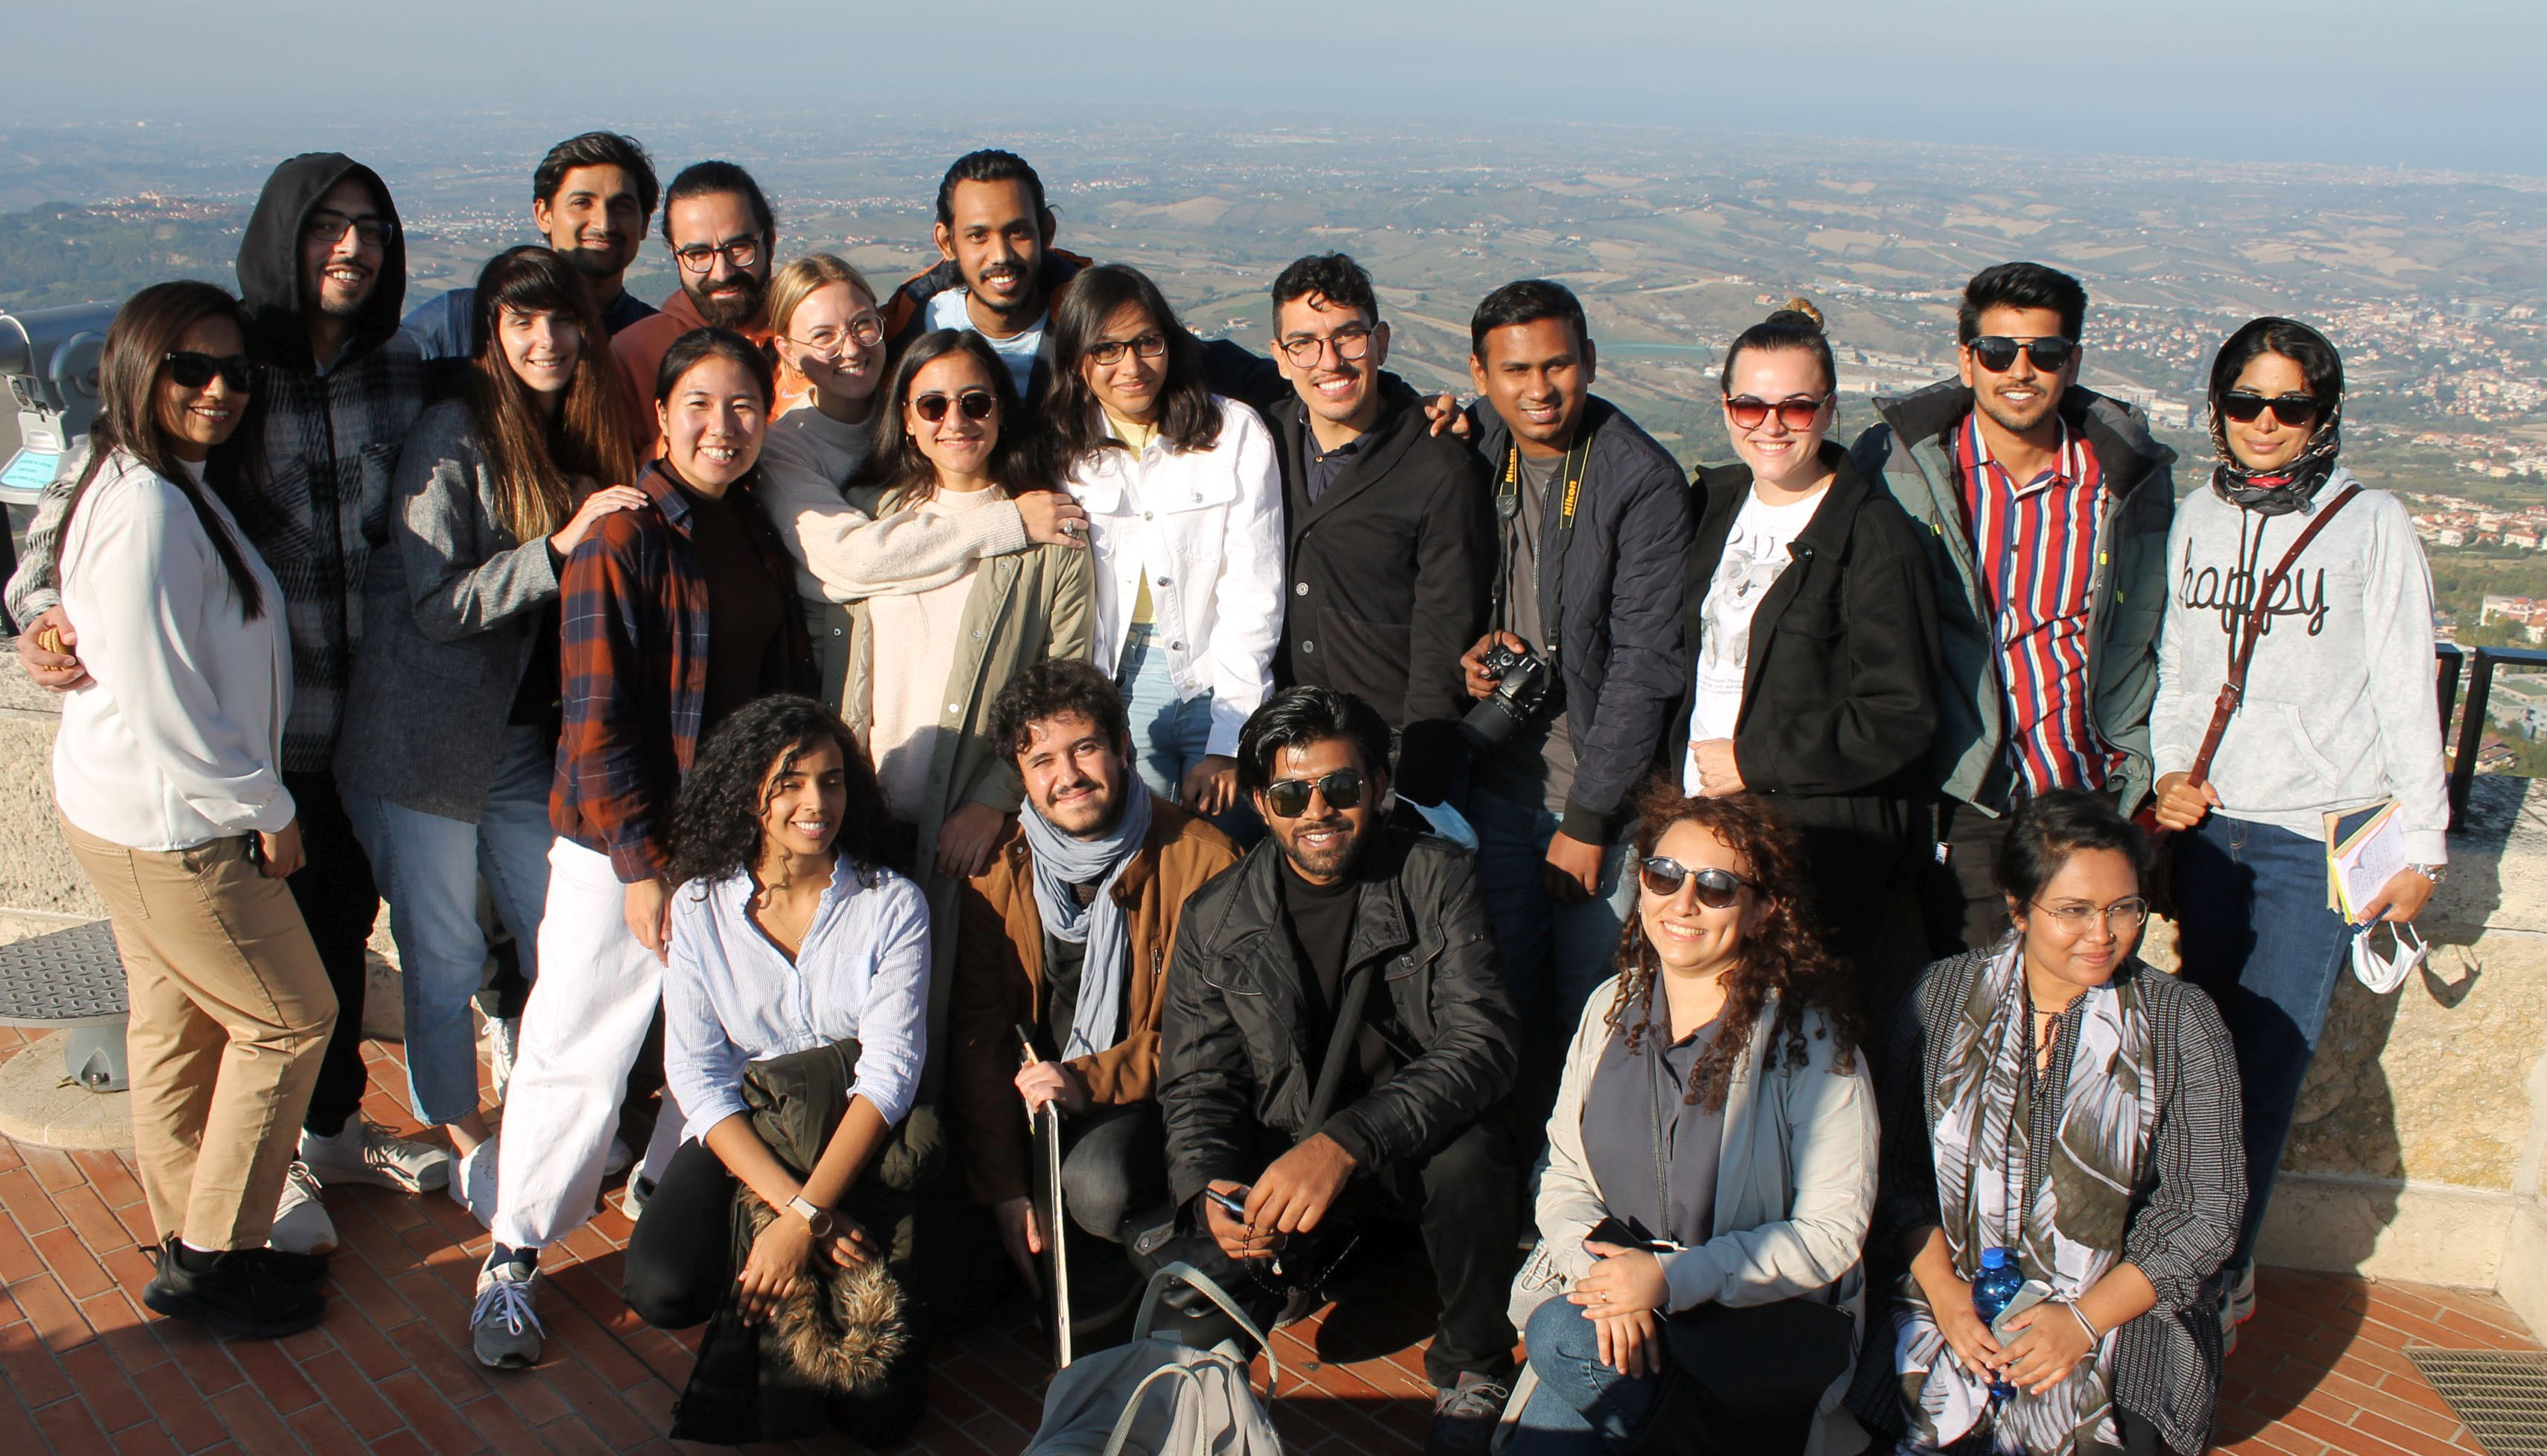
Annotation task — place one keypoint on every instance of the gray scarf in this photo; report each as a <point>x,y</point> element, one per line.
<point>1062,861</point>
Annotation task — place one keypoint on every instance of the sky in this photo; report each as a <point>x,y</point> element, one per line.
<point>2449,85</point>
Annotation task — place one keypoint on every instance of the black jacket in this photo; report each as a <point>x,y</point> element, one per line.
<point>1235,1064</point>
<point>1622,657</point>
<point>1389,575</point>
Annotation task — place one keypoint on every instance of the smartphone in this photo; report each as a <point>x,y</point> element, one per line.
<point>1232,1204</point>
<point>2029,1294</point>
<point>1610,1230</point>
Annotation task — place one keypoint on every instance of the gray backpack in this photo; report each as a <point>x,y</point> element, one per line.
<point>1155,1397</point>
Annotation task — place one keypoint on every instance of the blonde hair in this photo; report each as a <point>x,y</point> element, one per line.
<point>808,276</point>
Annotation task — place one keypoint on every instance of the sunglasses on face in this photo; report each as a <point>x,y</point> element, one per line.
<point>1147,346</point>
<point>977,404</point>
<point>1796,413</point>
<point>1289,798</point>
<point>1997,352</point>
<point>193,370</point>
<point>1716,889</point>
<point>2297,411</point>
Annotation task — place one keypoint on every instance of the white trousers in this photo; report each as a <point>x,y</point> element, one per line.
<point>581,1030</point>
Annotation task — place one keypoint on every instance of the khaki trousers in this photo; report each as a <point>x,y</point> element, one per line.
<point>230,1011</point>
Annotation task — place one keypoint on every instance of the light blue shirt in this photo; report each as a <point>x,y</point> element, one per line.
<point>731,997</point>
<point>950,309</point>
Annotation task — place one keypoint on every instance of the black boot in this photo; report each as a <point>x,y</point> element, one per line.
<point>249,1291</point>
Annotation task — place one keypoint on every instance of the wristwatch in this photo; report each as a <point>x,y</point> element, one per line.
<point>817,1219</point>
<point>2433,873</point>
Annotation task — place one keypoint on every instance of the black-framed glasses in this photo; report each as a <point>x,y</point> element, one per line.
<point>1110,351</point>
<point>327,225</point>
<point>1997,352</point>
<point>193,370</point>
<point>2122,916</point>
<point>1717,887</point>
<point>1352,343</point>
<point>742,252</point>
<point>1796,411</point>
<point>866,331</point>
<point>2298,411</point>
<point>977,404</point>
<point>1289,798</point>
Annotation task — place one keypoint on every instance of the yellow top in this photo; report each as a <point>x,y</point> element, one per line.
<point>1137,438</point>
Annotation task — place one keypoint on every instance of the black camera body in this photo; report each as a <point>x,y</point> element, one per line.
<point>1525,683</point>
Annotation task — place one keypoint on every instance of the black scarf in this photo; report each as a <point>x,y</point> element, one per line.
<point>2284,488</point>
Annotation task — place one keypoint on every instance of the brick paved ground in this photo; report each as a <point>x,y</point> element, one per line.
<point>88,1371</point>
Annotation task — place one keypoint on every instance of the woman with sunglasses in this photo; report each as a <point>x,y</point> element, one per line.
<point>165,772</point>
<point>2336,714</point>
<point>829,338</point>
<point>1186,498</point>
<point>925,665</point>
<point>1710,1163</point>
<point>2054,1104</point>
<point>1810,617</point>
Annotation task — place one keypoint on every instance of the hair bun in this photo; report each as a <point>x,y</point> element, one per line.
<point>1798,309</point>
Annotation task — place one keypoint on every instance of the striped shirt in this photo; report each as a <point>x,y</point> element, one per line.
<point>2037,550</point>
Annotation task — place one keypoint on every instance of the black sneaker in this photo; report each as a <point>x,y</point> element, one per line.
<point>243,1292</point>
<point>1464,1416</point>
<point>292,1268</point>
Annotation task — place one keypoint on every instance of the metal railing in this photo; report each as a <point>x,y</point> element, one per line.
<point>2452,663</point>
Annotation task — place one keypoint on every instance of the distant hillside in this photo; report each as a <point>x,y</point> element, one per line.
<point>69,253</point>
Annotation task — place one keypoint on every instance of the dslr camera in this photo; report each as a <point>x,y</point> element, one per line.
<point>1524,682</point>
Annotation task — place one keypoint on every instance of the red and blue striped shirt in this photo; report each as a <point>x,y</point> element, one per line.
<point>2036,547</point>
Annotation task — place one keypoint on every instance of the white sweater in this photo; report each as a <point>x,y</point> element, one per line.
<point>841,553</point>
<point>178,739</point>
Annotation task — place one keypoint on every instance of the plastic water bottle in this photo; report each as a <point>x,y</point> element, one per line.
<point>1999,1282</point>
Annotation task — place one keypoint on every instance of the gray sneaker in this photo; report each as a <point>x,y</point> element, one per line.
<point>503,1329</point>
<point>367,1153</point>
<point>1464,1416</point>
<point>300,1222</point>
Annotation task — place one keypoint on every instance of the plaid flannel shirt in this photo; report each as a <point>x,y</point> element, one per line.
<point>634,658</point>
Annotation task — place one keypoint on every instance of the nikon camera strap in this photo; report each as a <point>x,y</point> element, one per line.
<point>1567,498</point>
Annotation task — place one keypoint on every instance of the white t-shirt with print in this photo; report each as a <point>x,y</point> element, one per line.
<point>1755,555</point>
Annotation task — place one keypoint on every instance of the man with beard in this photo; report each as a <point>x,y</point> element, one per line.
<point>723,237</point>
<point>1067,934</point>
<point>322,270</point>
<point>591,198</point>
<point>1336,1033</point>
<point>2047,506</point>
<point>998,272</point>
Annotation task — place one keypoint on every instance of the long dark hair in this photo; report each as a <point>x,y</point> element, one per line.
<point>534,456</point>
<point>1784,955</point>
<point>145,330</point>
<point>1020,462</point>
<point>716,821</point>
<point>1187,419</point>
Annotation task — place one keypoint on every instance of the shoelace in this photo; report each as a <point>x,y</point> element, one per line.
<point>508,1299</point>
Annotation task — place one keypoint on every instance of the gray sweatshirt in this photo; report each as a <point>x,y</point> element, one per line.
<point>2338,710</point>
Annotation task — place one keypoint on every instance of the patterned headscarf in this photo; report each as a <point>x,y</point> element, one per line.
<point>2288,486</point>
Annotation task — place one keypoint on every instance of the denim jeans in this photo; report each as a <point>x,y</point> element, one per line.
<point>1553,955</point>
<point>429,867</point>
<point>1169,735</point>
<point>1582,1407</point>
<point>2255,934</point>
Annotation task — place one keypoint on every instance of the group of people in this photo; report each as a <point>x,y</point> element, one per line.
<point>820,731</point>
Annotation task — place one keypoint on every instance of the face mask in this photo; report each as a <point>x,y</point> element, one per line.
<point>2384,972</point>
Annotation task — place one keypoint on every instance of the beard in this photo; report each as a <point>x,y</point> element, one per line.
<point>1329,864</point>
<point>1028,303</point>
<point>1084,819</point>
<point>731,310</point>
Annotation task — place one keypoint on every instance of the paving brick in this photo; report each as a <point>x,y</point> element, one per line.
<point>71,1262</point>
<point>274,1374</point>
<point>354,1398</point>
<point>50,1311</point>
<point>433,1419</point>
<point>70,1430</point>
<point>179,1410</point>
<point>101,1382</point>
<point>255,1424</point>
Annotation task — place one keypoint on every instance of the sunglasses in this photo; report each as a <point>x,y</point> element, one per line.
<point>193,370</point>
<point>977,404</point>
<point>1997,352</point>
<point>1716,889</point>
<point>1796,413</point>
<point>2295,410</point>
<point>1289,798</point>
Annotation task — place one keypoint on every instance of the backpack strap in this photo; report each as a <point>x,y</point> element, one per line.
<point>1122,1432</point>
<point>1184,1273</point>
<point>2242,640</point>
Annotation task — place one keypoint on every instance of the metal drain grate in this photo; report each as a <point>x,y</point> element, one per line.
<point>2501,1395</point>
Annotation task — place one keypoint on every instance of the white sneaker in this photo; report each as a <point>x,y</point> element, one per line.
<point>503,1048</point>
<point>300,1222</point>
<point>503,1327</point>
<point>634,1197</point>
<point>367,1153</point>
<point>473,1182</point>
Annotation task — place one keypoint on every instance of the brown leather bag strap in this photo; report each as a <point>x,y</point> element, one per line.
<point>2234,690</point>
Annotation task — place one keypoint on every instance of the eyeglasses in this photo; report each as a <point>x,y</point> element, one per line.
<point>2297,411</point>
<point>1289,798</point>
<point>977,404</point>
<point>1797,412</point>
<point>1997,352</point>
<point>866,331</point>
<point>2122,916</point>
<point>193,370</point>
<point>327,225</point>
<point>742,252</point>
<point>1351,345</point>
<point>1147,346</point>
<point>1717,887</point>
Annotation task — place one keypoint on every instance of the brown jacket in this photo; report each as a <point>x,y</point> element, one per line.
<point>999,982</point>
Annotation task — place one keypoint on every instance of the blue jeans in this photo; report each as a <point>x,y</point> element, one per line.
<point>2255,934</point>
<point>429,867</point>
<point>1553,955</point>
<point>1582,1407</point>
<point>1169,735</point>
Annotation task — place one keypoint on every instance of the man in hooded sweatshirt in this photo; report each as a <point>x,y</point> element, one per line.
<point>322,270</point>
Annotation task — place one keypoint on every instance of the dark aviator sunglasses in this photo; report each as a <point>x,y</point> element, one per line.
<point>1289,798</point>
<point>193,370</point>
<point>1997,352</point>
<point>1717,887</point>
<point>977,404</point>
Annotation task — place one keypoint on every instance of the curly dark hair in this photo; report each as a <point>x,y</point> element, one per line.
<point>1054,689</point>
<point>716,821</point>
<point>1785,955</point>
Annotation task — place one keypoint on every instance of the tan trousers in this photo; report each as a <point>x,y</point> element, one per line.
<point>229,1010</point>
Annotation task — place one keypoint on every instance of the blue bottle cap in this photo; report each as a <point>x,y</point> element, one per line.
<point>1993,1259</point>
